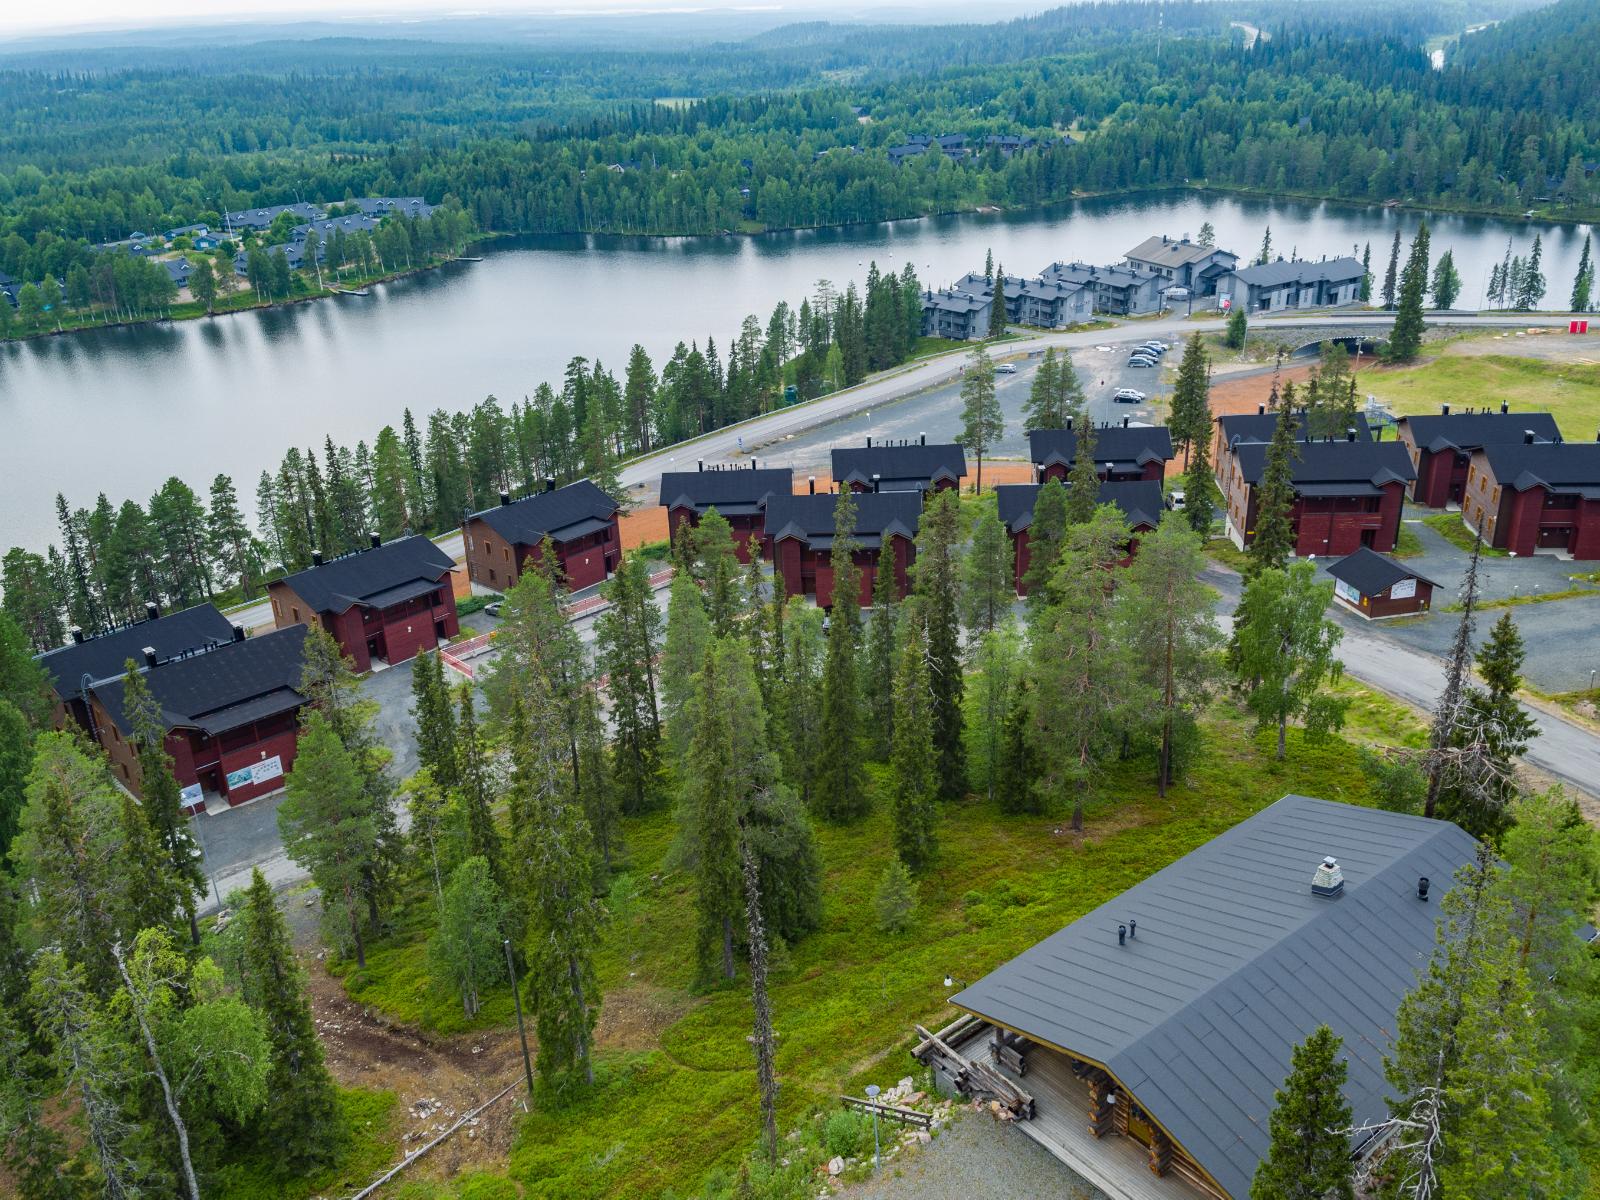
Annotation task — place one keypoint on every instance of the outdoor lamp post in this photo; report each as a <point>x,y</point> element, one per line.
<point>872,1094</point>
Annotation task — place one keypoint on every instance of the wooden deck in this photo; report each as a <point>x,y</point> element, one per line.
<point>1117,1165</point>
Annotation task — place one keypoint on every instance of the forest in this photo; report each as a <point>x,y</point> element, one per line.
<point>790,128</point>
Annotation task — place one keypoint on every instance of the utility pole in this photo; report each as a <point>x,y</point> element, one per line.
<point>522,1032</point>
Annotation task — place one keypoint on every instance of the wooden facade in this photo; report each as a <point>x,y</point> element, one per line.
<point>579,521</point>
<point>1441,446</point>
<point>1375,587</point>
<point>1530,498</point>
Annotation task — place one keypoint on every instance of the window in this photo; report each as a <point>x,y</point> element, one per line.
<point>295,612</point>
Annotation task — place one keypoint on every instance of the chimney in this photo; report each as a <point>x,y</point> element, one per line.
<point>869,441</point>
<point>922,439</point>
<point>238,633</point>
<point>549,483</point>
<point>1350,434</point>
<point>1527,437</point>
<point>1069,422</point>
<point>1444,410</point>
<point>1328,882</point>
<point>152,610</point>
<point>875,478</point>
<point>1261,410</point>
<point>374,539</point>
<point>752,464</point>
<point>1422,887</point>
<point>77,635</point>
<point>1124,422</point>
<point>505,499</point>
<point>699,465</point>
<point>1505,407</point>
<point>149,653</point>
<point>811,483</point>
<point>316,558</point>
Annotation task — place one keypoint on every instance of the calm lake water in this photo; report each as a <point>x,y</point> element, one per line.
<point>120,410</point>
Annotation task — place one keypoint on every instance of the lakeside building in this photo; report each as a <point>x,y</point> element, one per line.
<point>1441,445</point>
<point>1293,283</point>
<point>801,531</point>
<point>1182,263</point>
<point>231,713</point>
<point>1149,1037</point>
<point>1347,493</point>
<point>1119,291</point>
<point>1044,303</point>
<point>382,604</point>
<point>900,466</point>
<point>958,315</point>
<point>1375,586</point>
<point>89,658</point>
<point>1536,496</point>
<point>1122,452</point>
<point>739,495</point>
<point>1139,501</point>
<point>579,520</point>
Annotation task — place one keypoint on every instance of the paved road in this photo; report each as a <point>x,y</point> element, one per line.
<point>1563,749</point>
<point>642,475</point>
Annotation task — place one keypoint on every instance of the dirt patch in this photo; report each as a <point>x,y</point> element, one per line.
<point>634,1018</point>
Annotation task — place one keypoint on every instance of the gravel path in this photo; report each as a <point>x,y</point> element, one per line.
<point>976,1156</point>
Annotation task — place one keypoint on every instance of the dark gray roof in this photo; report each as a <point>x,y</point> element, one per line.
<point>1272,274</point>
<point>954,301</point>
<point>224,688</point>
<point>105,656</point>
<point>1370,572</point>
<point>1559,466</point>
<point>810,518</point>
<point>1235,962</point>
<point>367,575</point>
<point>915,464</point>
<point>1468,431</point>
<point>1175,252</point>
<point>1139,501</point>
<point>556,514</point>
<point>1258,427</point>
<point>1362,465</point>
<point>724,490</point>
<point>1136,444</point>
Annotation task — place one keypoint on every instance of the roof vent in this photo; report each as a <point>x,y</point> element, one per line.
<point>1329,879</point>
<point>152,610</point>
<point>875,479</point>
<point>1422,887</point>
<point>1505,407</point>
<point>1124,422</point>
<point>1444,410</point>
<point>238,633</point>
<point>316,558</point>
<point>1527,437</point>
<point>869,441</point>
<point>149,653</point>
<point>549,483</point>
<point>505,499</point>
<point>77,635</point>
<point>922,439</point>
<point>1349,434</point>
<point>811,482</point>
<point>1261,410</point>
<point>699,464</point>
<point>1069,422</point>
<point>374,539</point>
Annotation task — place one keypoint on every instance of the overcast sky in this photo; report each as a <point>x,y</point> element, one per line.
<point>23,16</point>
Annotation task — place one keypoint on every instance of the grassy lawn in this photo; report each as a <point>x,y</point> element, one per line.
<point>1452,529</point>
<point>1569,390</point>
<point>1225,552</point>
<point>675,1094</point>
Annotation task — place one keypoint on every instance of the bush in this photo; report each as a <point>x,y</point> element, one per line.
<point>842,1135</point>
<point>471,604</point>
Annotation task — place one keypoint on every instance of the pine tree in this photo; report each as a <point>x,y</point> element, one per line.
<point>436,725</point>
<point>878,665</point>
<point>1285,646</point>
<point>328,827</point>
<point>982,423</point>
<point>986,570</point>
<point>464,953</point>
<point>912,762</point>
<point>627,639</point>
<point>1046,533</point>
<point>1039,410</point>
<point>1309,1156</point>
<point>228,539</point>
<point>1583,281</point>
<point>839,795</point>
<point>1168,621</point>
<point>1190,419</point>
<point>938,591</point>
<point>303,1123</point>
<point>1405,339</point>
<point>1273,543</point>
<point>1391,276</point>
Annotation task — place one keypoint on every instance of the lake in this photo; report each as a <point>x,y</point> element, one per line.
<point>120,410</point>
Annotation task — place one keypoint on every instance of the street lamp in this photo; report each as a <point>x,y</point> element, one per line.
<point>872,1094</point>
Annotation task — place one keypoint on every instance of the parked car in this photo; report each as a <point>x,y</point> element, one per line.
<point>1141,360</point>
<point>1175,501</point>
<point>1005,368</point>
<point>1128,396</point>
<point>493,608</point>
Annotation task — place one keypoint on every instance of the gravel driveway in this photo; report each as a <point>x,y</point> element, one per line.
<point>976,1158</point>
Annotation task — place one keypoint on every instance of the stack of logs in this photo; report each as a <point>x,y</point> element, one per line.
<point>971,1077</point>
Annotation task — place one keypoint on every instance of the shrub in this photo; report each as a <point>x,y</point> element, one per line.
<point>843,1133</point>
<point>895,899</point>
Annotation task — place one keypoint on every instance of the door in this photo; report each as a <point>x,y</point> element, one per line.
<point>439,635</point>
<point>1369,538</point>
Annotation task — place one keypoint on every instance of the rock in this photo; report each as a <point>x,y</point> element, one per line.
<point>905,1085</point>
<point>835,1165</point>
<point>916,1098</point>
<point>924,1137</point>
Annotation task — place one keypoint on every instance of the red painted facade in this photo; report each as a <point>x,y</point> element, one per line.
<point>1441,477</point>
<point>1020,558</point>
<point>1526,521</point>
<point>743,527</point>
<point>1326,526</point>
<point>393,634</point>
<point>1385,605</point>
<point>584,561</point>
<point>808,572</point>
<point>1150,471</point>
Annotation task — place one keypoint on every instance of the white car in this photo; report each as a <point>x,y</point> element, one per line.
<point>1128,396</point>
<point>1175,501</point>
<point>1005,368</point>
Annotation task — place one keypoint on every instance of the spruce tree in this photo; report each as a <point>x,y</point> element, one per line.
<point>716,568</point>
<point>687,639</point>
<point>912,761</point>
<point>303,1124</point>
<point>1083,476</point>
<point>1190,419</point>
<point>1264,255</point>
<point>465,954</point>
<point>986,570</point>
<point>839,795</point>
<point>1446,284</point>
<point>475,787</point>
<point>1238,327</point>
<point>627,640</point>
<point>762,1037</point>
<point>938,592</point>
<point>436,725</point>
<point>1366,273</point>
<point>997,671</point>
<point>1046,533</point>
<point>162,800</point>
<point>1583,281</point>
<point>1197,489</point>
<point>1530,280</point>
<point>1017,774</point>
<point>1405,339</point>
<point>895,898</point>
<point>982,423</point>
<point>878,666</point>
<point>997,309</point>
<point>1391,276</point>
<point>1274,541</point>
<point>1494,729</point>
<point>1039,410</point>
<point>1309,1156</point>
